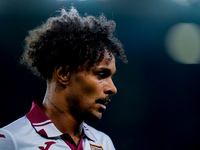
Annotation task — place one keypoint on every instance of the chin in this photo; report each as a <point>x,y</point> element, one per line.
<point>91,117</point>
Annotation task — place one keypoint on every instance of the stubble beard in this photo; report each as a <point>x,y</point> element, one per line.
<point>89,116</point>
<point>81,114</point>
<point>84,115</point>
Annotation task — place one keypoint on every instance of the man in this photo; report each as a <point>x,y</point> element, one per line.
<point>76,56</point>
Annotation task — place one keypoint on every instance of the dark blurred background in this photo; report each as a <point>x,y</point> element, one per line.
<point>157,104</point>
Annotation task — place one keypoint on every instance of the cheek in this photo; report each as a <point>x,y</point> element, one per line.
<point>90,89</point>
<point>89,86</point>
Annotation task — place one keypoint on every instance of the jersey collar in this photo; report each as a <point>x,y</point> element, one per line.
<point>45,127</point>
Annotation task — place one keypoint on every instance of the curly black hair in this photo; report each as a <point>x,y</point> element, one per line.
<point>70,39</point>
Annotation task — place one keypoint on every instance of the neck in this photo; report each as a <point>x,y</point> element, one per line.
<point>56,108</point>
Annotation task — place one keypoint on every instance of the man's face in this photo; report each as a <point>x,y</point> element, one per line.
<point>89,91</point>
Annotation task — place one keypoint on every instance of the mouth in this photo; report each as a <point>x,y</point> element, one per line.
<point>103,102</point>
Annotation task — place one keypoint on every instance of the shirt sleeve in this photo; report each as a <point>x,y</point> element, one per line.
<point>7,141</point>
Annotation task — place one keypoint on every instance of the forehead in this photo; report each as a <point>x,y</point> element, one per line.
<point>107,62</point>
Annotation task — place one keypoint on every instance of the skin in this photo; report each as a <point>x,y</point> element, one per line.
<point>73,97</point>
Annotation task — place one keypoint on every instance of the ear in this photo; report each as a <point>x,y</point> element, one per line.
<point>62,74</point>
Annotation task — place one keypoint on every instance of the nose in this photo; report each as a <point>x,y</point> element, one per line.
<point>110,88</point>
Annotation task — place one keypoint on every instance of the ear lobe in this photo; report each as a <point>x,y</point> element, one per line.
<point>62,74</point>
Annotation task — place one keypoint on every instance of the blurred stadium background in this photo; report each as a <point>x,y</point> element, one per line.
<point>157,105</point>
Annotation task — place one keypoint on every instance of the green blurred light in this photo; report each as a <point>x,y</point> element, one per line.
<point>183,43</point>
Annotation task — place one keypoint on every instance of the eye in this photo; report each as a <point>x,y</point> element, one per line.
<point>102,75</point>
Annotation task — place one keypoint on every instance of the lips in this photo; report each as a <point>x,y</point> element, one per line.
<point>103,102</point>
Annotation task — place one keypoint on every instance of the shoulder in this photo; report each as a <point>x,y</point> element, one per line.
<point>7,140</point>
<point>98,137</point>
<point>18,125</point>
<point>14,132</point>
